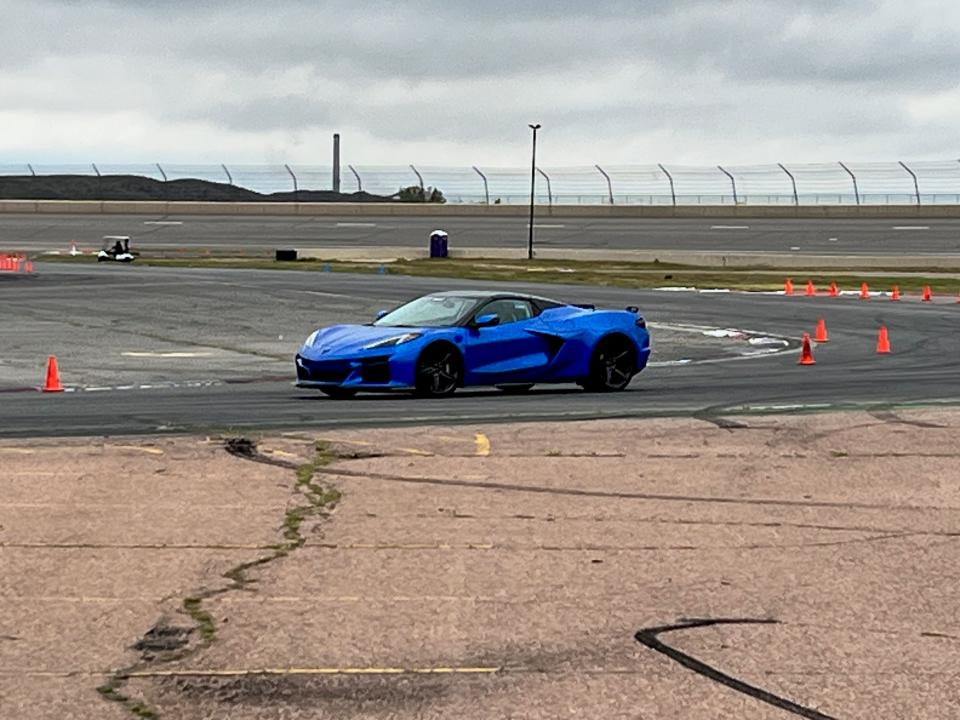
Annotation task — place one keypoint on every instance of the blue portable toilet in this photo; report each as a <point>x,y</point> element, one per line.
<point>438,244</point>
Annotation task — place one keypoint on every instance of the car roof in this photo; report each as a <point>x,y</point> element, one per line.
<point>490,295</point>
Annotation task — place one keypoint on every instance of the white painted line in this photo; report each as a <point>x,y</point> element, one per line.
<point>163,222</point>
<point>794,247</point>
<point>357,224</point>
<point>549,227</point>
<point>796,406</point>
<point>729,227</point>
<point>167,354</point>
<point>911,227</point>
<point>831,239</point>
<point>326,294</point>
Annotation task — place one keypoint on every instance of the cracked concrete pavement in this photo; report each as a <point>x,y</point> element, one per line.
<point>491,571</point>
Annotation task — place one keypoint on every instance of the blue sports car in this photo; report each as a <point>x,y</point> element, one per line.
<point>437,343</point>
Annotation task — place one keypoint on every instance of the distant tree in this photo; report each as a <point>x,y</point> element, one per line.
<point>415,193</point>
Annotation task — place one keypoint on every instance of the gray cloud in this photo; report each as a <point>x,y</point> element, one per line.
<point>717,79</point>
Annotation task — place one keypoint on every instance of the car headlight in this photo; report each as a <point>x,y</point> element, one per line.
<point>392,341</point>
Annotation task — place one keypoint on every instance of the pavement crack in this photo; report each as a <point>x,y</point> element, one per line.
<point>889,416</point>
<point>663,497</point>
<point>649,637</point>
<point>165,643</point>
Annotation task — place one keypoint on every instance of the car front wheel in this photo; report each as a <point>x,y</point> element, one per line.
<point>439,371</point>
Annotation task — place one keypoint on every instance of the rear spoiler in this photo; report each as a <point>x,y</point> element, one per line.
<point>632,308</point>
<point>585,306</point>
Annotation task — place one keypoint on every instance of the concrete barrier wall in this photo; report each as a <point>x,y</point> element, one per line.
<point>155,208</point>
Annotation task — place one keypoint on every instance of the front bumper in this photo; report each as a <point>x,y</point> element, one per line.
<point>363,372</point>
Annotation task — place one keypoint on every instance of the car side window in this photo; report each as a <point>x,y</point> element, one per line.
<point>508,310</point>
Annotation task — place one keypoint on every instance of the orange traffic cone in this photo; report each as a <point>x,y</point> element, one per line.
<point>788,287</point>
<point>864,292</point>
<point>927,295</point>
<point>883,341</point>
<point>806,354</point>
<point>834,290</point>
<point>895,295</point>
<point>53,376</point>
<point>811,290</point>
<point>821,335</point>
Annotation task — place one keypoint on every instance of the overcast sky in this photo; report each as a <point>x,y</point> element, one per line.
<point>456,82</point>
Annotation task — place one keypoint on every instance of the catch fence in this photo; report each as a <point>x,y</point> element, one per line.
<point>839,183</point>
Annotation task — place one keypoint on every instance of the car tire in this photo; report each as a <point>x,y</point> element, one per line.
<point>439,371</point>
<point>516,389</point>
<point>612,365</point>
<point>339,393</point>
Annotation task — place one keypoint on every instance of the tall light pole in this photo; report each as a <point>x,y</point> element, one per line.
<point>533,184</point>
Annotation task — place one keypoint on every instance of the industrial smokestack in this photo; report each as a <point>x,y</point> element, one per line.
<point>336,162</point>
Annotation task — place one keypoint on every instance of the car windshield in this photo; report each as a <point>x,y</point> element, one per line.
<point>429,311</point>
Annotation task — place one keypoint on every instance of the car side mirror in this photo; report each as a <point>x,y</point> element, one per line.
<point>381,313</point>
<point>488,320</point>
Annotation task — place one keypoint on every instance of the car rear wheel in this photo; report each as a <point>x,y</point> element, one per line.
<point>439,371</point>
<point>338,393</point>
<point>515,389</point>
<point>612,366</point>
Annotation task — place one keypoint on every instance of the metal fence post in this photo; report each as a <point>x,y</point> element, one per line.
<point>733,184</point>
<point>166,192</point>
<point>856,189</point>
<point>486,189</point>
<point>419,179</point>
<point>673,192</point>
<point>296,188</point>
<point>609,184</point>
<point>549,190</point>
<point>793,182</point>
<point>916,185</point>
<point>99,184</point>
<point>227,173</point>
<point>356,175</point>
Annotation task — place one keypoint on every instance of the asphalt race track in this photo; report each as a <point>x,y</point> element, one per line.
<point>39,233</point>
<point>923,367</point>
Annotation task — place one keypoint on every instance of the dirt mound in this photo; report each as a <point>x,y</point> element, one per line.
<point>135,187</point>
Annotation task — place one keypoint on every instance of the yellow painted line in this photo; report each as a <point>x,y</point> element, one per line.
<point>415,451</point>
<point>152,451</point>
<point>33,473</point>
<point>483,444</point>
<point>17,451</point>
<point>318,671</point>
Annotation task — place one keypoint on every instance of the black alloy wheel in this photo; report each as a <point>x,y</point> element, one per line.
<point>439,371</point>
<point>613,365</point>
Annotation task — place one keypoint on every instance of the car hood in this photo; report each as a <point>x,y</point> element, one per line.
<point>350,338</point>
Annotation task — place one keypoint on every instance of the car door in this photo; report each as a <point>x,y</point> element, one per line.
<point>506,352</point>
